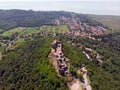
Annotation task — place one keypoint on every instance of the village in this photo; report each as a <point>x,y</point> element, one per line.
<point>78,28</point>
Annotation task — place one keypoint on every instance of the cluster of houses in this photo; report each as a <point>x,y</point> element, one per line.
<point>78,28</point>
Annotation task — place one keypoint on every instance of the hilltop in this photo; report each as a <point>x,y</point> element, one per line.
<point>23,18</point>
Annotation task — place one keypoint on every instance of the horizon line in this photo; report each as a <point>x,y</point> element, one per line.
<point>63,11</point>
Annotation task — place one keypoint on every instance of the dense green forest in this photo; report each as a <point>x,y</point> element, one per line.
<point>27,66</point>
<point>105,76</point>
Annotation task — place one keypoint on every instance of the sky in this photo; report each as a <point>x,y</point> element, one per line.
<point>99,7</point>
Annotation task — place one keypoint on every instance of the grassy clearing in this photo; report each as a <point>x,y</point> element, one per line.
<point>12,31</point>
<point>57,29</point>
<point>20,30</point>
<point>1,30</point>
<point>20,40</point>
<point>30,30</point>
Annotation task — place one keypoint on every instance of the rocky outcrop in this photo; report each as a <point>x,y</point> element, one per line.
<point>57,58</point>
<point>62,65</point>
<point>86,81</point>
<point>93,55</point>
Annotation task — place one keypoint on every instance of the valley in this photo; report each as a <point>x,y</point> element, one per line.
<point>57,51</point>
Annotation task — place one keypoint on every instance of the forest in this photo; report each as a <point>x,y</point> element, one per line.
<point>27,66</point>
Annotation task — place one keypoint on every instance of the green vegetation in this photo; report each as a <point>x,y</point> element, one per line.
<point>30,30</point>
<point>113,22</point>
<point>12,31</point>
<point>1,30</point>
<point>100,78</point>
<point>105,76</point>
<point>20,18</point>
<point>25,65</point>
<point>57,29</point>
<point>20,31</point>
<point>27,68</point>
<point>20,40</point>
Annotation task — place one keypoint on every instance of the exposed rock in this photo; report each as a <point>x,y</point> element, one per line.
<point>1,56</point>
<point>61,64</point>
<point>93,55</point>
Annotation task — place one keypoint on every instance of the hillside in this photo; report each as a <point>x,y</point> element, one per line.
<point>20,18</point>
<point>113,22</point>
<point>41,50</point>
<point>27,66</point>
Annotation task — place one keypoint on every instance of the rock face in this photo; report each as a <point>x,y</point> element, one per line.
<point>93,55</point>
<point>62,65</point>
<point>85,78</point>
<point>73,83</point>
<point>57,58</point>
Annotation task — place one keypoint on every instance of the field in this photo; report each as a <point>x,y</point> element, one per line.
<point>30,30</point>
<point>113,22</point>
<point>1,30</point>
<point>12,31</point>
<point>57,29</point>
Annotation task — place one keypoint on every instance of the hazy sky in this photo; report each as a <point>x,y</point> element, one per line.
<point>105,7</point>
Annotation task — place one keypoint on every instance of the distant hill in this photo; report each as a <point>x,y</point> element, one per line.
<point>15,18</point>
<point>21,18</point>
<point>110,21</point>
